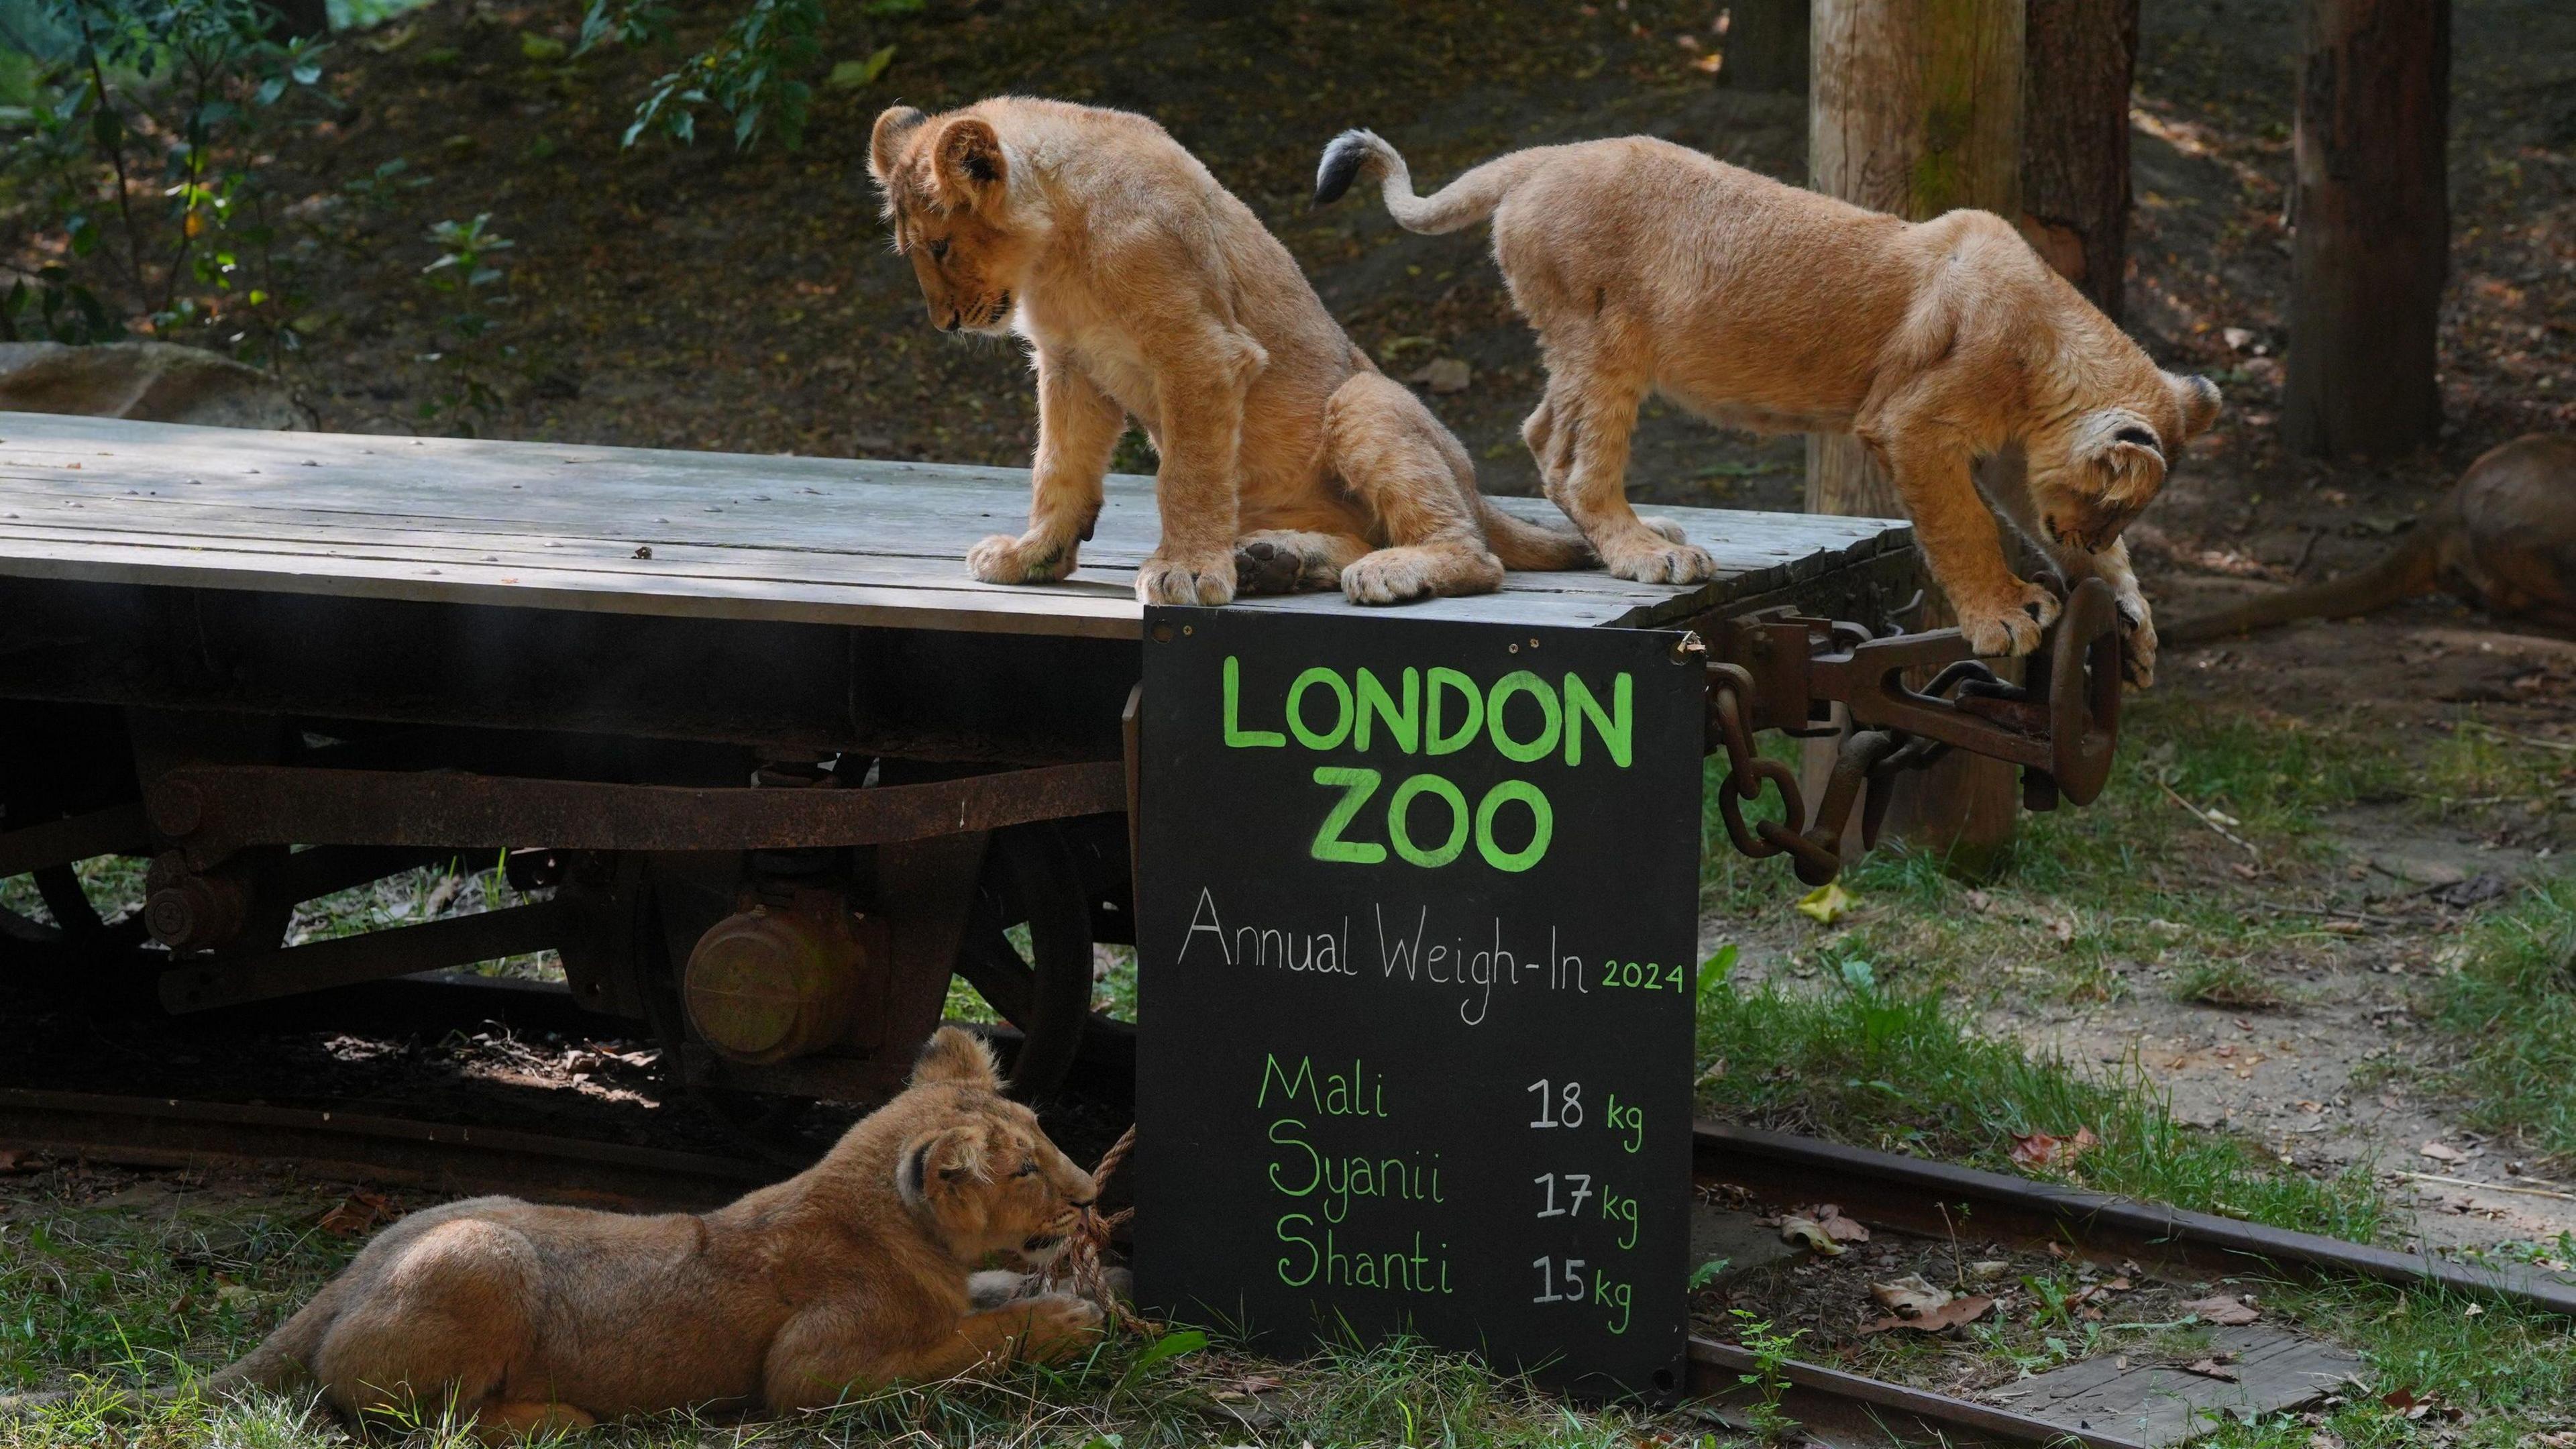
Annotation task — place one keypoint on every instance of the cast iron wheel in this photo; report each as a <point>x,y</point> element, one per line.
<point>1031,879</point>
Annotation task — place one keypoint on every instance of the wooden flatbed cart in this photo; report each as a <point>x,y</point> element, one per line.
<point>784,767</point>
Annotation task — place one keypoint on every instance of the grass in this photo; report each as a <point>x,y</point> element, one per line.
<point>1900,1071</point>
<point>119,1301</point>
<point>2511,1008</point>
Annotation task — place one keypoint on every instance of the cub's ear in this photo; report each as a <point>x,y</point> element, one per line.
<point>2200,403</point>
<point>956,1057</point>
<point>2120,452</point>
<point>967,157</point>
<point>894,123</point>
<point>950,1155</point>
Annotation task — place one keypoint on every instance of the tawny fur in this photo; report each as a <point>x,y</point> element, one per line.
<point>1647,267</point>
<point>1146,290</point>
<point>2503,540</point>
<point>850,1275</point>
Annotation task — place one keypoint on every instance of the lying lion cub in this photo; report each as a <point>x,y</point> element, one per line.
<point>1648,267</point>
<point>1148,291</point>
<point>852,1274</point>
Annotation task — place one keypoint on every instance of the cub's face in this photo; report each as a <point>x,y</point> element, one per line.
<point>947,185</point>
<point>2092,476</point>
<point>977,1166</point>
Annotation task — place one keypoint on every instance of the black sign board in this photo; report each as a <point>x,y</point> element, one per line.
<point>1417,966</point>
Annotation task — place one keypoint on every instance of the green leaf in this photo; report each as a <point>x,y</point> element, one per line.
<point>1169,1346</point>
<point>855,75</point>
<point>1717,969</point>
<point>541,47</point>
<point>889,9</point>
<point>1707,1273</point>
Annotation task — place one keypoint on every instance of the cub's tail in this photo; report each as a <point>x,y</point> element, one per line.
<point>1521,544</point>
<point>1462,203</point>
<point>2402,574</point>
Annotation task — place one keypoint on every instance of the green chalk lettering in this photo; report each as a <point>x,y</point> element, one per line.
<point>1521,681</point>
<point>1243,739</point>
<point>1543,825</point>
<point>1357,786</point>
<point>1616,728</point>
<point>1341,730</point>
<point>1436,743</point>
<point>1404,723</point>
<point>1399,830</point>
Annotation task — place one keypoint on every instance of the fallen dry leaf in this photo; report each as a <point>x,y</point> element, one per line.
<point>16,1159</point>
<point>1826,904</point>
<point>1841,1229</point>
<point>2210,1368</point>
<point>2041,1149</point>
<point>2223,1310</point>
<point>358,1213</point>
<point>1956,1313</point>
<point>1911,1296</point>
<point>1795,1229</point>
<point>2442,1152</point>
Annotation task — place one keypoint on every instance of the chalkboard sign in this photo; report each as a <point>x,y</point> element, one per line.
<point>1416,974</point>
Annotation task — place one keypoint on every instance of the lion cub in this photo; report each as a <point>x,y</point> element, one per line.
<point>1146,290</point>
<point>1647,267</point>
<point>849,1275</point>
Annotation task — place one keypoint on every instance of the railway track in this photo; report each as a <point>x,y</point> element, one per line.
<point>1882,1189</point>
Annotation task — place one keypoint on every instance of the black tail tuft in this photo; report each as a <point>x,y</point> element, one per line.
<point>1340,166</point>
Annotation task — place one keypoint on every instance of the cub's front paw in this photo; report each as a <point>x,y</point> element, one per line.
<point>2009,623</point>
<point>1207,580</point>
<point>1389,576</point>
<point>2137,640</point>
<point>1059,1323</point>
<point>1649,557</point>
<point>1026,559</point>
<point>1664,527</point>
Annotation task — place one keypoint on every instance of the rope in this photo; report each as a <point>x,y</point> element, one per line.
<point>1080,1268</point>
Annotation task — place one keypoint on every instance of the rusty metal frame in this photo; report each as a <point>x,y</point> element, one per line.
<point>212,811</point>
<point>1804,675</point>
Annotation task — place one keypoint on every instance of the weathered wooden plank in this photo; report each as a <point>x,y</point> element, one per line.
<point>2159,1402</point>
<point>729,536</point>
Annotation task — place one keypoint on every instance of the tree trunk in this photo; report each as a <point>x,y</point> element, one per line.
<point>2371,205</point>
<point>2079,57</point>
<point>1915,107</point>
<point>1766,45</point>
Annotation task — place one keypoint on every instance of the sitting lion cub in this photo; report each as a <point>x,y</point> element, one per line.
<point>852,1274</point>
<point>1649,267</point>
<point>1147,290</point>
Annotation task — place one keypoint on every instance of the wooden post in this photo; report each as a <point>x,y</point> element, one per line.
<point>1766,45</point>
<point>1915,107</point>
<point>2372,214</point>
<point>2079,58</point>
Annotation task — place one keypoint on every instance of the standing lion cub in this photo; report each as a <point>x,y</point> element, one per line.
<point>1146,290</point>
<point>849,1275</point>
<point>1649,267</point>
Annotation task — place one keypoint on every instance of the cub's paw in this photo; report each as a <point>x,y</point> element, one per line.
<point>1059,1323</point>
<point>1389,576</point>
<point>1027,559</point>
<point>1264,567</point>
<point>1669,530</point>
<point>2137,640</point>
<point>1208,580</point>
<point>1650,557</point>
<point>2010,623</point>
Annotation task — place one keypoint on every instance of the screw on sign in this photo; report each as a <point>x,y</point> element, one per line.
<point>1418,914</point>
